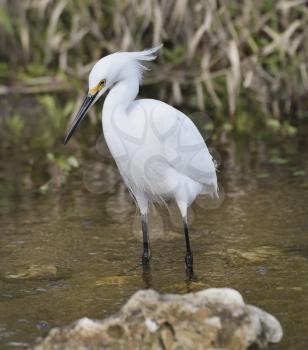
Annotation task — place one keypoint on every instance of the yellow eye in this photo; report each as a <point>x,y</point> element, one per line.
<point>102,83</point>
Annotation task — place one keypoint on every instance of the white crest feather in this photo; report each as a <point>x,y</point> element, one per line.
<point>145,55</point>
<point>134,58</point>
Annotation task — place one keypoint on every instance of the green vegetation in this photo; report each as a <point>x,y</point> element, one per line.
<point>15,126</point>
<point>38,133</point>
<point>243,62</point>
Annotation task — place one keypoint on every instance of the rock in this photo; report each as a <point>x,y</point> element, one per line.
<point>208,319</point>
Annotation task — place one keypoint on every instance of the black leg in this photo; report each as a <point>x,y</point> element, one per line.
<point>146,249</point>
<point>189,255</point>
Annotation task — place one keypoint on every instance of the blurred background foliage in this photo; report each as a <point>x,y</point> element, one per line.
<point>243,62</point>
<point>227,57</point>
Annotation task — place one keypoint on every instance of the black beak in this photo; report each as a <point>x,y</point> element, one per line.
<point>87,103</point>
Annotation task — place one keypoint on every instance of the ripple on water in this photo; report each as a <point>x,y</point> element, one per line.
<point>74,254</point>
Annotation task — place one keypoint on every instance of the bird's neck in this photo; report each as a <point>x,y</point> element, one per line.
<point>121,95</point>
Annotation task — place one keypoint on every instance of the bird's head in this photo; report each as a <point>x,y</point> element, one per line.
<point>107,72</point>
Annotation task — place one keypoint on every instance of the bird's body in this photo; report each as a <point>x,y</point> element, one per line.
<point>159,151</point>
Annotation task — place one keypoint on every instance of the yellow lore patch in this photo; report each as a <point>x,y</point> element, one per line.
<point>94,90</point>
<point>98,87</point>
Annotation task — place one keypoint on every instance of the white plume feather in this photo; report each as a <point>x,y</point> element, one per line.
<point>145,55</point>
<point>133,59</point>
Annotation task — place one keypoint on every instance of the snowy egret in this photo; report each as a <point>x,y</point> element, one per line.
<point>158,150</point>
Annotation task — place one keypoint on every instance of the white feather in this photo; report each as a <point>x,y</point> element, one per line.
<point>159,151</point>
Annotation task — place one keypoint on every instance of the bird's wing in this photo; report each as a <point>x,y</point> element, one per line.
<point>183,146</point>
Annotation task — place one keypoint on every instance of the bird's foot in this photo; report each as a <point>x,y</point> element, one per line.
<point>189,261</point>
<point>145,259</point>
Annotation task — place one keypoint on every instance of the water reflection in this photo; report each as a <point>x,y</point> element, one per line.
<point>147,276</point>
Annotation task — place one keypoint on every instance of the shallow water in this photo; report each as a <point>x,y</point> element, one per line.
<point>75,253</point>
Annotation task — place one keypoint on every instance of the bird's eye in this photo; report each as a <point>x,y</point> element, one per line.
<point>102,83</point>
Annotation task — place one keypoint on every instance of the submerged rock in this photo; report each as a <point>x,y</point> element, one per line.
<point>35,272</point>
<point>255,255</point>
<point>118,281</point>
<point>209,319</point>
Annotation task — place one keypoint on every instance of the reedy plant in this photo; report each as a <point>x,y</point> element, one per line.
<point>223,56</point>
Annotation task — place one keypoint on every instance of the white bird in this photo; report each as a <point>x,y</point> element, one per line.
<point>158,150</point>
